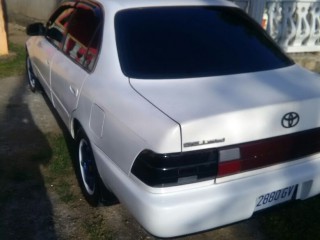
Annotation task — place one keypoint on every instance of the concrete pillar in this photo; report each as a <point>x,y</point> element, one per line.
<point>3,34</point>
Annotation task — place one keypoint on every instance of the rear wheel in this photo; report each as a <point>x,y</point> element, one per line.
<point>31,78</point>
<point>87,172</point>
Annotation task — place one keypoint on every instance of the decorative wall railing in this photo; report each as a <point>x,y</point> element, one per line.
<point>244,4</point>
<point>293,24</point>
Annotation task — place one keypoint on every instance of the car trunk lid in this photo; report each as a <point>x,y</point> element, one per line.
<point>227,110</point>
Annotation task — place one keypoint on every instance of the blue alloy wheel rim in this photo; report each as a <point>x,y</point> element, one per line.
<point>87,168</point>
<point>30,74</point>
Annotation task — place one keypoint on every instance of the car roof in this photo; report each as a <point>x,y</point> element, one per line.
<point>123,4</point>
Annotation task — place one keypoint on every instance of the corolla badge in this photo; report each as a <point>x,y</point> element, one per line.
<point>204,142</point>
<point>290,120</point>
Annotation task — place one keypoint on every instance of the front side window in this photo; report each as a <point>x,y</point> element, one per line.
<point>58,23</point>
<point>84,36</point>
<point>185,42</point>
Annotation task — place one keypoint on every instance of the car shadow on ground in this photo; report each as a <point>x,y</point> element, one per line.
<point>25,208</point>
<point>26,211</point>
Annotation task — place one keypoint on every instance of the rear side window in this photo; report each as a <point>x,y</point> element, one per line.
<point>185,42</point>
<point>84,35</point>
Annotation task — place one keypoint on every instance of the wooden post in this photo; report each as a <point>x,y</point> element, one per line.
<point>3,35</point>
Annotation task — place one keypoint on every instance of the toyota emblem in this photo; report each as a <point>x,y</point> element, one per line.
<point>290,120</point>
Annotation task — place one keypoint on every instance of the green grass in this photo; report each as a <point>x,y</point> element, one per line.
<point>299,220</point>
<point>64,191</point>
<point>60,169</point>
<point>93,227</point>
<point>60,174</point>
<point>14,64</point>
<point>61,162</point>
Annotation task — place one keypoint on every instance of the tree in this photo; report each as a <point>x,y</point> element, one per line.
<point>3,35</point>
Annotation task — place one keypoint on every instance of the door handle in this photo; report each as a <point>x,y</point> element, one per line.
<point>74,91</point>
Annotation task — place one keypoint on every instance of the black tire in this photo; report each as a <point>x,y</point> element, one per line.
<point>86,169</point>
<point>31,78</point>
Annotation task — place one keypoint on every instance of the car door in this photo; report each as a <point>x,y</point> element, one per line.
<point>43,53</point>
<point>72,66</point>
<point>49,45</point>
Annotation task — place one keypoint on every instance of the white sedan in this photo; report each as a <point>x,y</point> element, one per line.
<point>185,109</point>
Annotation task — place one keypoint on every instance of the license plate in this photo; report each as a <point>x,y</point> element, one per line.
<point>274,198</point>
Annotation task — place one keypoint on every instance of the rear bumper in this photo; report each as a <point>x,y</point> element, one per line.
<point>192,210</point>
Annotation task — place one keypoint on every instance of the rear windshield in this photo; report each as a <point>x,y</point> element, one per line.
<point>186,42</point>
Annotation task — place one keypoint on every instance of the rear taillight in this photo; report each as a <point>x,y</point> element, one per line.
<point>162,170</point>
<point>271,151</point>
<point>229,161</point>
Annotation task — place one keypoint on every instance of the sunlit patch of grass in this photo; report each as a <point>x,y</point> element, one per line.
<point>14,63</point>
<point>61,163</point>
<point>96,228</point>
<point>60,169</point>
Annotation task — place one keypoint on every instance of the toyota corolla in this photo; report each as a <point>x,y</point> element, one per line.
<point>186,110</point>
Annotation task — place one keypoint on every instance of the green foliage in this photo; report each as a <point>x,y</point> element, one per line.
<point>14,63</point>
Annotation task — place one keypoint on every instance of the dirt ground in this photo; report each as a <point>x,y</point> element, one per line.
<point>35,210</point>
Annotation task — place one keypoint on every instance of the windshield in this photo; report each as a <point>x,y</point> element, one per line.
<point>186,42</point>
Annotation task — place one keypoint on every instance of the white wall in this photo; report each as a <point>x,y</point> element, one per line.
<point>27,11</point>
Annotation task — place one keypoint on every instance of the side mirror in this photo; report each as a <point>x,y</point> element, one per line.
<point>55,34</point>
<point>35,29</point>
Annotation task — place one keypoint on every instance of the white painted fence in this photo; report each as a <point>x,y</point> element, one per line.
<point>294,24</point>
